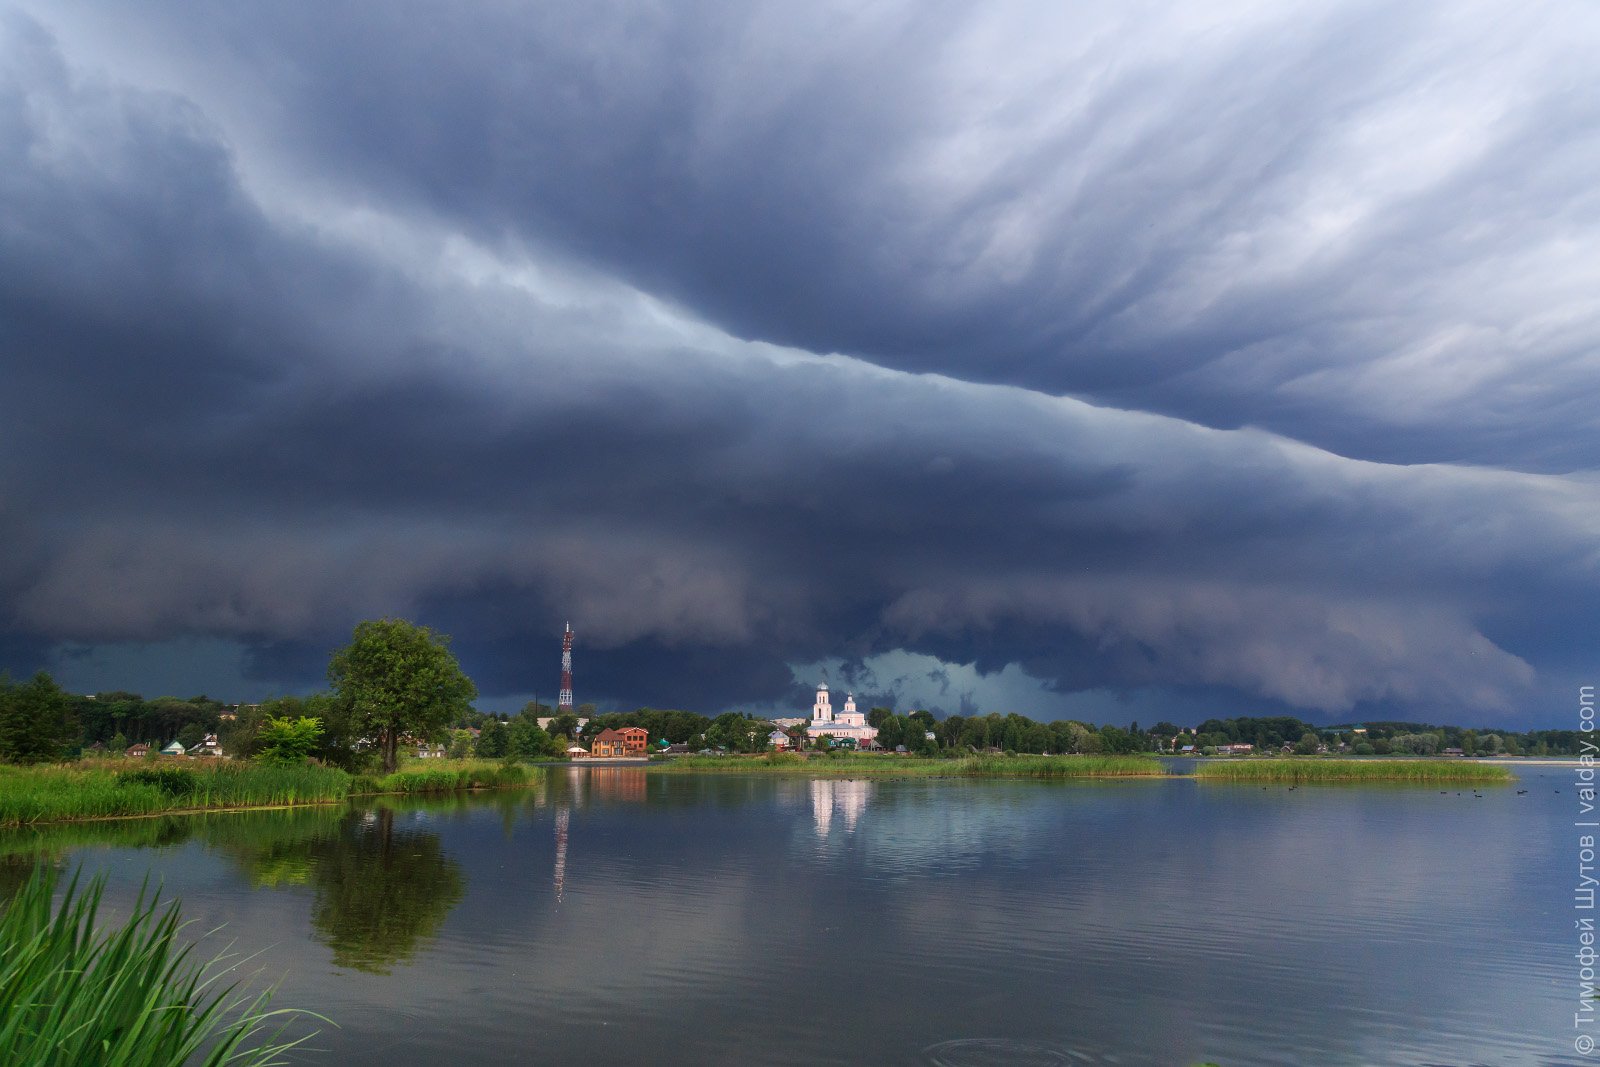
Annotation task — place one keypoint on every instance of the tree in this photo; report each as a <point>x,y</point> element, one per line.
<point>460,744</point>
<point>1307,745</point>
<point>493,741</point>
<point>396,678</point>
<point>35,720</point>
<point>191,735</point>
<point>288,741</point>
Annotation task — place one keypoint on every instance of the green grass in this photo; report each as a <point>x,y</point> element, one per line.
<point>129,996</point>
<point>447,776</point>
<point>1423,771</point>
<point>44,794</point>
<point>867,765</point>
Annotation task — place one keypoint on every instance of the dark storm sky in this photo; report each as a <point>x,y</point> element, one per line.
<point>1120,360</point>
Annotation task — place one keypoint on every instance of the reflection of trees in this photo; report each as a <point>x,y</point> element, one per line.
<point>380,891</point>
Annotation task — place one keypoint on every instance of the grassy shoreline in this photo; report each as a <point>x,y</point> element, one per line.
<point>121,789</point>
<point>117,789</point>
<point>1424,771</point>
<point>870,766</point>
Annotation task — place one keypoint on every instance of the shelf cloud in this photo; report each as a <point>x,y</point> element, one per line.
<point>1234,357</point>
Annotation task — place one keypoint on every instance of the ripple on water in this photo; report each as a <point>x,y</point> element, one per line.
<point>1006,1052</point>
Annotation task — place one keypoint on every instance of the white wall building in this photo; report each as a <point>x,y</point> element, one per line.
<point>849,723</point>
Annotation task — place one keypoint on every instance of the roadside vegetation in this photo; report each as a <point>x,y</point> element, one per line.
<point>1353,770</point>
<point>124,996</point>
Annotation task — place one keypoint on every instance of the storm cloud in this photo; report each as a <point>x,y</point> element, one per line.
<point>1244,357</point>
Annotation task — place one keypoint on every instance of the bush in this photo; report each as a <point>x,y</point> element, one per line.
<point>173,781</point>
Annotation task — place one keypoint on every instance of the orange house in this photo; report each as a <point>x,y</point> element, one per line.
<point>628,741</point>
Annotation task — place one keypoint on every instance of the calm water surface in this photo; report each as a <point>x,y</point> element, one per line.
<point>610,916</point>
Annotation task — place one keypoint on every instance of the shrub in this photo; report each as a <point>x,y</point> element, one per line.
<point>173,781</point>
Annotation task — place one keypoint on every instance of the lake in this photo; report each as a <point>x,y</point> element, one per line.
<point>608,915</point>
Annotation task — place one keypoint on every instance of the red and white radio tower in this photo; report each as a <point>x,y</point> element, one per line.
<point>564,701</point>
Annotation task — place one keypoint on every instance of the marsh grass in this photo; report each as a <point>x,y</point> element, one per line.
<point>867,765</point>
<point>31,795</point>
<point>447,776</point>
<point>129,996</point>
<point>1423,771</point>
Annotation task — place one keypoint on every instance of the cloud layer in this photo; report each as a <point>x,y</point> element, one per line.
<point>1250,356</point>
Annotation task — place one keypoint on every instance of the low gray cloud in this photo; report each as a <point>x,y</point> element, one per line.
<point>536,337</point>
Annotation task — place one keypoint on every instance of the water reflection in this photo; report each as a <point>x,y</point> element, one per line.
<point>849,798</point>
<point>1027,922</point>
<point>382,890</point>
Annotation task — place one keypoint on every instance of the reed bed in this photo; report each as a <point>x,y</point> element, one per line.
<point>1424,771</point>
<point>447,776</point>
<point>887,766</point>
<point>130,996</point>
<point>31,795</point>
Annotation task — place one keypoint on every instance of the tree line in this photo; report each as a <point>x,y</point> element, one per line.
<point>397,683</point>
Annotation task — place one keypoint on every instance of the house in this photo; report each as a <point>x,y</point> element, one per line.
<point>780,741</point>
<point>427,751</point>
<point>577,752</point>
<point>210,747</point>
<point>139,751</point>
<point>677,750</point>
<point>628,741</point>
<point>174,749</point>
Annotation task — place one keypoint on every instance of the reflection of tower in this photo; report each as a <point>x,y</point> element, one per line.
<point>564,701</point>
<point>563,814</point>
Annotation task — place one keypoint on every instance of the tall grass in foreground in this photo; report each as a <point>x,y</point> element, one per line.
<point>125,997</point>
<point>1352,770</point>
<point>53,794</point>
<point>885,766</point>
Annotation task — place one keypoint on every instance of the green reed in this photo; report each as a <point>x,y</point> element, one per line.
<point>127,996</point>
<point>447,776</point>
<point>1425,771</point>
<point>44,794</point>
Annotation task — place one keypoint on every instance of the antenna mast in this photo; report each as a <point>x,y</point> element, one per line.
<point>564,702</point>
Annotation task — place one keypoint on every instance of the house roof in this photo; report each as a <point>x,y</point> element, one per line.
<point>633,730</point>
<point>608,734</point>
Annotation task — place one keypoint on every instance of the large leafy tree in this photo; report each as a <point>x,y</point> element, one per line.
<point>35,720</point>
<point>399,679</point>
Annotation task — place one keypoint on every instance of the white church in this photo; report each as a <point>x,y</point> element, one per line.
<point>850,723</point>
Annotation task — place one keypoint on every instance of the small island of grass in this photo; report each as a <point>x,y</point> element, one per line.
<point>1425,771</point>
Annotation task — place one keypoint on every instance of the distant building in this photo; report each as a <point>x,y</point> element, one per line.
<point>780,740</point>
<point>426,751</point>
<point>850,725</point>
<point>577,752</point>
<point>210,747</point>
<point>138,751</point>
<point>174,749</point>
<point>627,741</point>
